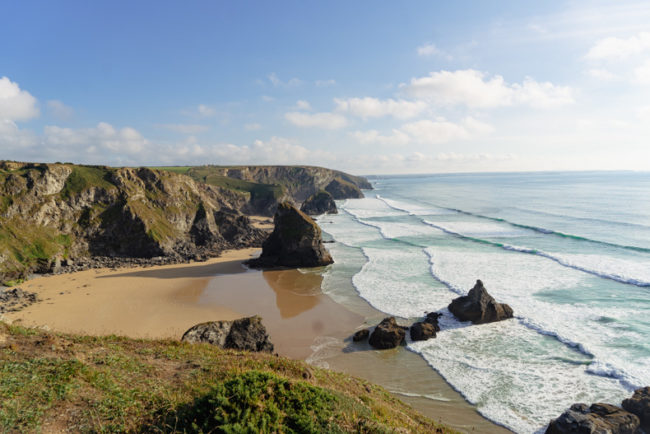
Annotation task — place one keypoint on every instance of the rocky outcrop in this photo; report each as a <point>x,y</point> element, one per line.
<point>361,335</point>
<point>295,242</point>
<point>423,330</point>
<point>319,203</point>
<point>479,307</point>
<point>639,404</point>
<point>342,189</point>
<point>387,334</point>
<point>15,299</point>
<point>247,334</point>
<point>596,419</point>
<point>76,213</point>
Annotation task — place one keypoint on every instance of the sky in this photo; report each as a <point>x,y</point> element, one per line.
<point>370,87</point>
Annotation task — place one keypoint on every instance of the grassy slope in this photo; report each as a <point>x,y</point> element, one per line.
<point>52,381</point>
<point>206,175</point>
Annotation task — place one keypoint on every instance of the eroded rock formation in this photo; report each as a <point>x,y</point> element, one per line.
<point>639,404</point>
<point>241,334</point>
<point>295,242</point>
<point>594,419</point>
<point>479,307</point>
<point>387,334</point>
<point>319,203</point>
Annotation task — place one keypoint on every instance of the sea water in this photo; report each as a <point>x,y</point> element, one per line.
<point>569,252</point>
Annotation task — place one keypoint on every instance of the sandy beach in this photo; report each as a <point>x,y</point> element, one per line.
<point>304,323</point>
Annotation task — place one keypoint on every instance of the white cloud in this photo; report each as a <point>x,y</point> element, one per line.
<point>205,111</point>
<point>276,82</point>
<point>441,130</point>
<point>620,48</point>
<point>253,126</point>
<point>267,98</point>
<point>373,107</point>
<point>325,83</point>
<point>59,110</point>
<point>16,104</point>
<point>643,113</point>
<point>428,50</point>
<point>427,132</point>
<point>303,105</point>
<point>374,137</point>
<point>642,73</point>
<point>602,74</point>
<point>473,89</point>
<point>185,128</point>
<point>330,121</point>
<point>12,137</point>
<point>103,137</point>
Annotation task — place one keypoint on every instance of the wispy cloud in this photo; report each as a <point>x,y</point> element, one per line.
<point>329,121</point>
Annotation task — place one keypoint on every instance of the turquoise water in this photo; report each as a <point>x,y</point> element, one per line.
<point>570,252</point>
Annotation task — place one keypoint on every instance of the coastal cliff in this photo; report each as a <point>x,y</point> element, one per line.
<point>54,215</point>
<point>267,186</point>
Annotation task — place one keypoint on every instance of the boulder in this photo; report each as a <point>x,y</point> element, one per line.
<point>479,307</point>
<point>361,335</point>
<point>241,334</point>
<point>295,242</point>
<point>319,203</point>
<point>387,334</point>
<point>597,419</point>
<point>639,404</point>
<point>342,189</point>
<point>421,331</point>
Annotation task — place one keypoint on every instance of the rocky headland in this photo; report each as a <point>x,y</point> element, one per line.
<point>63,217</point>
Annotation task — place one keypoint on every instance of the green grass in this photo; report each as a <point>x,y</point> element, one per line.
<point>176,169</point>
<point>84,177</point>
<point>50,381</point>
<point>25,246</point>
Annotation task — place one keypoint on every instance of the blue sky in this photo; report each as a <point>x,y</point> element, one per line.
<point>364,86</point>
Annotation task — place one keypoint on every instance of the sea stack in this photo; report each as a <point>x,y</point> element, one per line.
<point>319,203</point>
<point>295,242</point>
<point>479,307</point>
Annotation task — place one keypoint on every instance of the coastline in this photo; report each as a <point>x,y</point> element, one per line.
<point>303,322</point>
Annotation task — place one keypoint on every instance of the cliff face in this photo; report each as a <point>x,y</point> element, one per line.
<point>61,212</point>
<point>267,186</point>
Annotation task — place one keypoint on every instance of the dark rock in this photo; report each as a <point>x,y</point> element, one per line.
<point>341,189</point>
<point>387,334</point>
<point>432,318</point>
<point>639,404</point>
<point>421,331</point>
<point>241,334</point>
<point>597,419</point>
<point>479,307</point>
<point>295,242</point>
<point>319,203</point>
<point>15,299</point>
<point>361,335</point>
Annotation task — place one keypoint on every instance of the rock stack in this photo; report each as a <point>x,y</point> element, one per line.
<point>295,242</point>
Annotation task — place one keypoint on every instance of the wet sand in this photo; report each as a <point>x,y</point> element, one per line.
<point>304,323</point>
<point>151,302</point>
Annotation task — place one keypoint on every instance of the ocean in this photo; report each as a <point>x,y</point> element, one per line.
<point>569,252</point>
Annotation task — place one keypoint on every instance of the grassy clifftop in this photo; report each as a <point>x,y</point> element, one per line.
<point>52,381</point>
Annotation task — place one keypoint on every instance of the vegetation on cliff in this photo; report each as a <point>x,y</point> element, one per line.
<point>58,213</point>
<point>51,382</point>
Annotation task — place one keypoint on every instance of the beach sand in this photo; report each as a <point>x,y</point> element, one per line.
<point>303,323</point>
